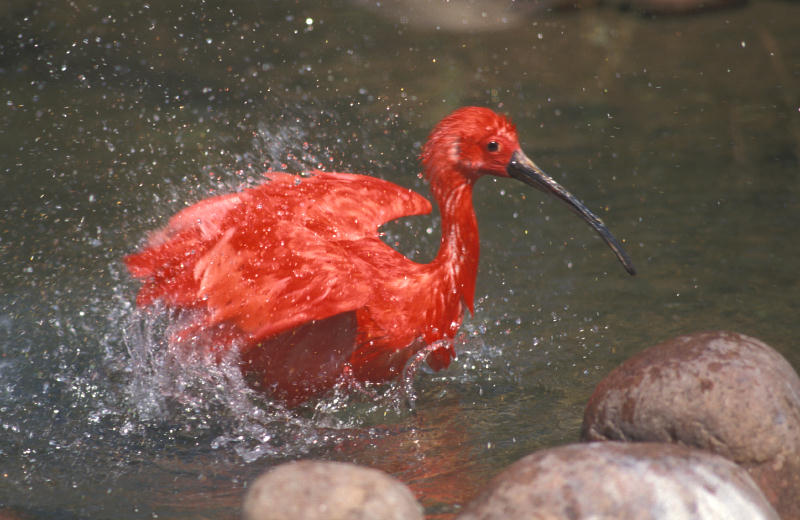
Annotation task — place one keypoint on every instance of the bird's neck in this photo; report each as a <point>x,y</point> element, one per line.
<point>460,246</point>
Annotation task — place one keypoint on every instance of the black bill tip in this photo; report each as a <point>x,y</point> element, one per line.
<point>522,168</point>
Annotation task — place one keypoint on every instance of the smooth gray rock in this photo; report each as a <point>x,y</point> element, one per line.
<point>318,490</point>
<point>719,391</point>
<point>621,481</point>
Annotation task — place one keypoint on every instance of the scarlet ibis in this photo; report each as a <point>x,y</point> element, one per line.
<point>293,272</point>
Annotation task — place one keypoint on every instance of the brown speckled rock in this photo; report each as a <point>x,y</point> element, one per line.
<point>317,490</point>
<point>723,392</point>
<point>621,481</point>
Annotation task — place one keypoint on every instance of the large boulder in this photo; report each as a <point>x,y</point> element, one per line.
<point>723,392</point>
<point>621,481</point>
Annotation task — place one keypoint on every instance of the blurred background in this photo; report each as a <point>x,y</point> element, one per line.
<point>677,122</point>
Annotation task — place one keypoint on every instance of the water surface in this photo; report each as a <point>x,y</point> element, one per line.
<point>683,133</point>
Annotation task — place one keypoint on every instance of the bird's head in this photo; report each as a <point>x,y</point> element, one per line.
<point>473,140</point>
<point>476,141</point>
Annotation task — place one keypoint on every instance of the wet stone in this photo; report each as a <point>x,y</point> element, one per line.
<point>317,490</point>
<point>623,481</point>
<point>723,392</point>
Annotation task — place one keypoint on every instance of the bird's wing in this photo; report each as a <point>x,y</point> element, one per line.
<point>274,256</point>
<point>165,263</point>
<point>341,205</point>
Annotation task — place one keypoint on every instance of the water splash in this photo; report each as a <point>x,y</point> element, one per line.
<point>204,391</point>
<point>191,392</point>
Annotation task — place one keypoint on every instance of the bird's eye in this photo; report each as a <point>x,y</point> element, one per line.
<point>493,146</point>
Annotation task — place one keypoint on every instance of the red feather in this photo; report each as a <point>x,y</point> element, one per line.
<point>290,251</point>
<point>294,274</point>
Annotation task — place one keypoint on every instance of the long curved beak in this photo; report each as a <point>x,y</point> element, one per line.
<point>524,169</point>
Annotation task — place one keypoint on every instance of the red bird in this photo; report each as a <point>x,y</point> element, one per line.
<point>294,274</point>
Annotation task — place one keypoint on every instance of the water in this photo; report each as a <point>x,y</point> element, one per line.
<point>682,133</point>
